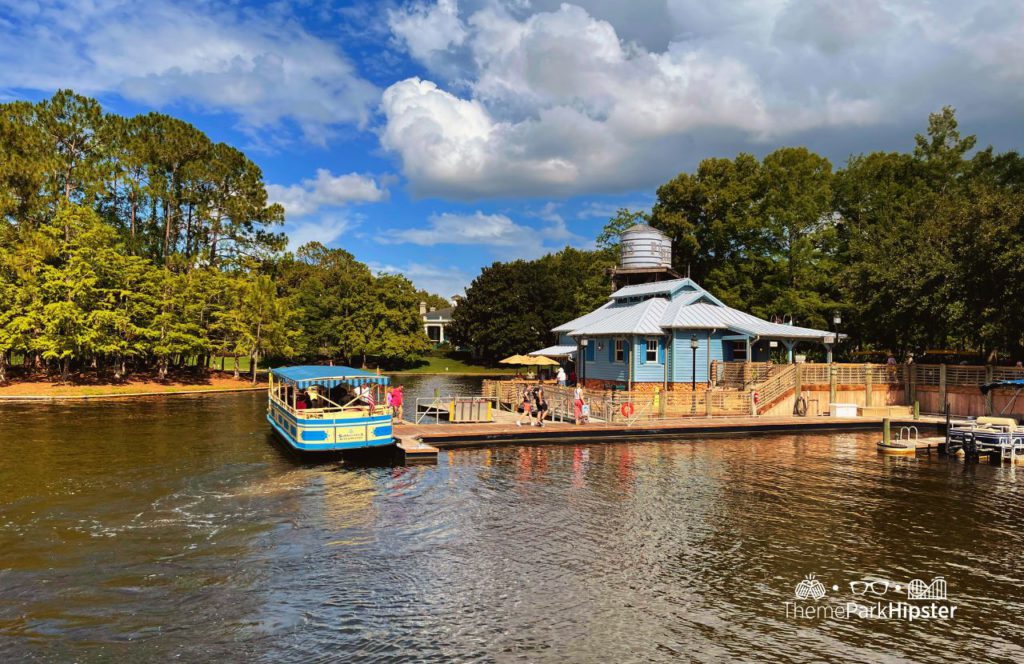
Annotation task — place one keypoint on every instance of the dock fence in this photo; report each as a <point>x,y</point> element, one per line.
<point>735,383</point>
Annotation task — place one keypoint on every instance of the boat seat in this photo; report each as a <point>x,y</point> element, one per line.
<point>997,421</point>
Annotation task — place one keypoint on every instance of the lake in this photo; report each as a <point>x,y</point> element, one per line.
<point>179,528</point>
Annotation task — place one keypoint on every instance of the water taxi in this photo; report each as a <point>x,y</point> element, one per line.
<point>327,409</point>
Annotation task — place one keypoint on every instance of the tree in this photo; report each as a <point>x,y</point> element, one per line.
<point>511,307</point>
<point>266,322</point>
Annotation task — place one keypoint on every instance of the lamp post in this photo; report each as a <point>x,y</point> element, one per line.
<point>836,320</point>
<point>582,373</point>
<point>694,345</point>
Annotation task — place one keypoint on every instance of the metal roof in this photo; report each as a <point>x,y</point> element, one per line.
<point>663,287</point>
<point>602,312</point>
<point>555,351</point>
<point>640,318</point>
<point>691,307</point>
<point>326,376</point>
<point>703,315</point>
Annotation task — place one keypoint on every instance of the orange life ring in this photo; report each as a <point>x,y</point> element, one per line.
<point>627,409</point>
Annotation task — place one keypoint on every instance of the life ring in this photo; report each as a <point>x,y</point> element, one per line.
<point>757,398</point>
<point>627,409</point>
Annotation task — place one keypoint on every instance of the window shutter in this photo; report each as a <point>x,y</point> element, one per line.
<point>626,343</point>
<point>590,350</point>
<point>643,351</point>
<point>661,351</point>
<point>611,351</point>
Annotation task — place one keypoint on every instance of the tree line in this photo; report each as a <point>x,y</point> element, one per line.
<point>137,243</point>
<point>914,251</point>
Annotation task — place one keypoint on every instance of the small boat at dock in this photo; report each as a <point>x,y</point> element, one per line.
<point>328,409</point>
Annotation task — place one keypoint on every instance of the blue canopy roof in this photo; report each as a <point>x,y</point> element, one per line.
<point>327,376</point>
<point>1017,382</point>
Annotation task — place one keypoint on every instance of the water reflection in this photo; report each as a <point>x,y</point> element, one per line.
<point>176,529</point>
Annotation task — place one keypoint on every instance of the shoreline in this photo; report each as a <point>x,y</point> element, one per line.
<point>10,398</point>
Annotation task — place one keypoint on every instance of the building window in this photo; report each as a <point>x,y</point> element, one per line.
<point>739,350</point>
<point>652,350</point>
<point>620,350</point>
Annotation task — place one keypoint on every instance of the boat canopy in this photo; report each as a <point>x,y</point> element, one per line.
<point>1017,382</point>
<point>328,377</point>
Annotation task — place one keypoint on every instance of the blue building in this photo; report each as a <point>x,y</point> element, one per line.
<point>667,333</point>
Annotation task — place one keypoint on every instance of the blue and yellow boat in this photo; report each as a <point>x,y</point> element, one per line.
<point>327,409</point>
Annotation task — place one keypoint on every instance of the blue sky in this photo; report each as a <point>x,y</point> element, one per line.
<point>433,138</point>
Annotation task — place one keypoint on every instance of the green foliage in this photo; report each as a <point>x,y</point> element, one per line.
<point>511,307</point>
<point>916,250</point>
<point>130,243</point>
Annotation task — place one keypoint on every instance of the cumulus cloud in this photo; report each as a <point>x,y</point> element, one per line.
<point>506,239</point>
<point>477,228</point>
<point>429,32</point>
<point>443,280</point>
<point>554,100</point>
<point>265,66</point>
<point>324,230</point>
<point>326,190</point>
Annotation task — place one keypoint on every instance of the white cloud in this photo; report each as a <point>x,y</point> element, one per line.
<point>324,230</point>
<point>557,102</point>
<point>429,32</point>
<point>262,66</point>
<point>507,239</point>
<point>495,230</point>
<point>326,190</point>
<point>443,280</point>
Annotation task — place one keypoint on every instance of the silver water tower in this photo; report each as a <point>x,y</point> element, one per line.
<point>646,257</point>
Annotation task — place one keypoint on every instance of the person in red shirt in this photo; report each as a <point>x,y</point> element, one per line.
<point>396,402</point>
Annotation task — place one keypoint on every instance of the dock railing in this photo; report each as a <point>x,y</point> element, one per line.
<point>735,384</point>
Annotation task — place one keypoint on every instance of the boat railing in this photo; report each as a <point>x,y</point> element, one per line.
<point>321,413</point>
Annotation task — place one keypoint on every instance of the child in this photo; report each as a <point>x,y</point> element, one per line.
<point>525,399</point>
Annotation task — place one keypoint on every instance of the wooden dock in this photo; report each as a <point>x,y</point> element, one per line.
<point>413,449</point>
<point>444,435</point>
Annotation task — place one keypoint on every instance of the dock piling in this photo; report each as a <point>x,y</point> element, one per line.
<point>886,433</point>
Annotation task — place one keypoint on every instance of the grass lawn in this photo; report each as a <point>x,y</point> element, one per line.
<point>440,365</point>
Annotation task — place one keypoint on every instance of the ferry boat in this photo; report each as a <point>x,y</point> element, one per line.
<point>327,409</point>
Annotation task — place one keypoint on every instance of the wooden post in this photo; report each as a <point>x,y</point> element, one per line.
<point>988,395</point>
<point>917,410</point>
<point>868,387</point>
<point>831,384</point>
<point>707,401</point>
<point>886,433</point>
<point>911,383</point>
<point>796,381</point>
<point>942,386</point>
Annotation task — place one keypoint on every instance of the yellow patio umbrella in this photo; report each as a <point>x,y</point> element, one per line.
<point>541,361</point>
<point>515,359</point>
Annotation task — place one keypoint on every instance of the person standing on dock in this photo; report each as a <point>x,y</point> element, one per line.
<point>396,402</point>
<point>577,403</point>
<point>561,377</point>
<point>540,404</point>
<point>525,399</point>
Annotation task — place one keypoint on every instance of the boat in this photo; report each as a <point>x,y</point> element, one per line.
<point>329,409</point>
<point>999,436</point>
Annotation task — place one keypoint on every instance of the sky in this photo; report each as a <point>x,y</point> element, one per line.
<point>433,138</point>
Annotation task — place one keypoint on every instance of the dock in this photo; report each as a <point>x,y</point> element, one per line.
<point>504,430</point>
<point>413,449</point>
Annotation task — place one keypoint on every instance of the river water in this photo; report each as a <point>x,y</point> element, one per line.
<point>179,528</point>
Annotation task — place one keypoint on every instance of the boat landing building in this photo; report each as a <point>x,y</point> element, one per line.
<point>659,330</point>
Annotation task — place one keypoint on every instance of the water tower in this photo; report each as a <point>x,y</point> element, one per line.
<point>646,257</point>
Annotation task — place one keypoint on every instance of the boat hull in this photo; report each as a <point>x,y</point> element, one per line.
<point>322,435</point>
